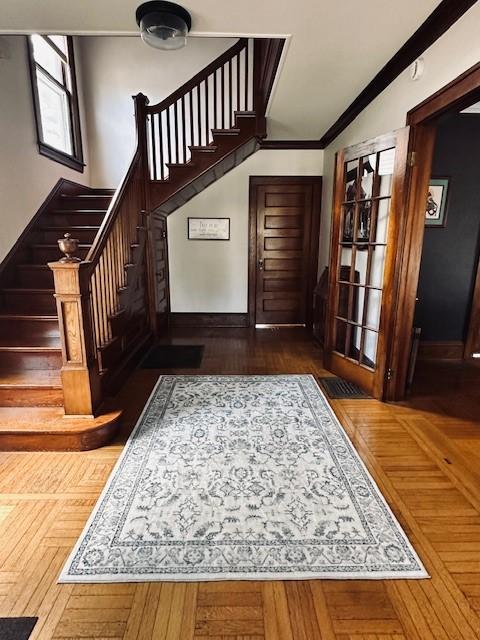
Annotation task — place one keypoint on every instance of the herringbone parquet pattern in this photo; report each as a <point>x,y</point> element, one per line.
<point>424,455</point>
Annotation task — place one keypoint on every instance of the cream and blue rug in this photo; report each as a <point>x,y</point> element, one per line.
<point>242,478</point>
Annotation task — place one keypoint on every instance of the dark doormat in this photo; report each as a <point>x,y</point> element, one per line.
<point>16,628</point>
<point>340,389</point>
<point>174,356</point>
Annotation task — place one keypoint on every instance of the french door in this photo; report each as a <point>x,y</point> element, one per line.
<point>367,225</point>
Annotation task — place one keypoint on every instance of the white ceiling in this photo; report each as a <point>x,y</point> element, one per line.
<point>336,46</point>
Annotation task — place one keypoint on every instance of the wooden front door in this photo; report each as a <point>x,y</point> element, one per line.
<point>284,227</point>
<point>367,222</point>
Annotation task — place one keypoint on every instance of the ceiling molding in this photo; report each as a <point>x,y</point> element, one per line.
<point>291,144</point>
<point>437,23</point>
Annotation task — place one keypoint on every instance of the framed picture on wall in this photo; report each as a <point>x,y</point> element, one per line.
<point>437,198</point>
<point>209,228</point>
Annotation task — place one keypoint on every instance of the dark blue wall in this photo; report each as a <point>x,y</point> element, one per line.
<point>450,254</point>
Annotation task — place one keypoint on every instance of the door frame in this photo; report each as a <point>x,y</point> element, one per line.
<point>458,94</point>
<point>473,330</point>
<point>316,182</point>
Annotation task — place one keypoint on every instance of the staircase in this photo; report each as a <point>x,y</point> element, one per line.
<point>30,344</point>
<point>70,330</point>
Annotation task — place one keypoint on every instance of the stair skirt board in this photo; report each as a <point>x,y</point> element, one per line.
<point>211,320</point>
<point>217,171</point>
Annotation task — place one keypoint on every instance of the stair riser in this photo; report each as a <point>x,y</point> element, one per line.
<point>21,360</point>
<point>33,329</point>
<point>77,202</point>
<point>42,255</point>
<point>76,219</point>
<point>34,303</point>
<point>35,278</point>
<point>21,397</point>
<point>86,236</point>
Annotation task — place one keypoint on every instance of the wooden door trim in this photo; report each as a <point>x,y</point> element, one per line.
<point>399,140</point>
<point>457,94</point>
<point>255,181</point>
<point>473,331</point>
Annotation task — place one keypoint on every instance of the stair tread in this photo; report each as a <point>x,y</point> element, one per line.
<point>80,211</point>
<point>43,245</point>
<point>61,227</point>
<point>26,290</point>
<point>28,317</point>
<point>208,148</point>
<point>50,420</point>
<point>85,195</point>
<point>180,165</point>
<point>30,378</point>
<point>39,345</point>
<point>232,132</point>
<point>26,265</point>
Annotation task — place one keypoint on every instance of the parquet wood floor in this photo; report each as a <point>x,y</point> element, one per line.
<point>424,454</point>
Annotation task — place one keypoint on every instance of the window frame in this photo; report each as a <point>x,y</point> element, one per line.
<point>75,159</point>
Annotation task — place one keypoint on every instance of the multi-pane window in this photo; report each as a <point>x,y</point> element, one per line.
<point>55,99</point>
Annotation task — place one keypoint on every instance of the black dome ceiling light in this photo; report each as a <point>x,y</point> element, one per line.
<point>163,25</point>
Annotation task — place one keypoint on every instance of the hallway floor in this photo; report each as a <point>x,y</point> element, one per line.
<point>424,454</point>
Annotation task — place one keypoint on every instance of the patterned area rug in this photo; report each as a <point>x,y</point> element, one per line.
<point>240,477</point>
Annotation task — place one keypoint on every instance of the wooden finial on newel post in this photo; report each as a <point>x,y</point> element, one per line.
<point>69,247</point>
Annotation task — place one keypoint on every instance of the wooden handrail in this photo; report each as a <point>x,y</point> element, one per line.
<point>199,77</point>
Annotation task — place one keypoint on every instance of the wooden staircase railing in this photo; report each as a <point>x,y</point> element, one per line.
<point>101,323</point>
<point>106,304</point>
<point>207,102</point>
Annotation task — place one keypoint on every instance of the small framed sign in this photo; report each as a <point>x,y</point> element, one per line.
<point>437,200</point>
<point>209,228</point>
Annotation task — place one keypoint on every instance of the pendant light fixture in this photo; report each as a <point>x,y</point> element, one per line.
<point>163,25</point>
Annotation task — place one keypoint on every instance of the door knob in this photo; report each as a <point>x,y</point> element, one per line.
<point>260,264</point>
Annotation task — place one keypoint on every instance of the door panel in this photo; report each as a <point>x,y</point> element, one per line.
<point>367,218</point>
<point>284,223</point>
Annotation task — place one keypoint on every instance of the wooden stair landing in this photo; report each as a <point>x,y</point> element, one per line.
<point>48,429</point>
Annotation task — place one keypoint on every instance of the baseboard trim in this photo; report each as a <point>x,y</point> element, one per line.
<point>213,320</point>
<point>446,350</point>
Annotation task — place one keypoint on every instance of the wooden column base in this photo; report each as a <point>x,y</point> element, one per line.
<point>48,429</point>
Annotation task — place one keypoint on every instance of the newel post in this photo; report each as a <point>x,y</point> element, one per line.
<point>141,103</point>
<point>80,380</point>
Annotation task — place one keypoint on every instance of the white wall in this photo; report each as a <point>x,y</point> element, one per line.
<point>26,177</point>
<point>212,276</point>
<point>117,68</point>
<point>456,51</point>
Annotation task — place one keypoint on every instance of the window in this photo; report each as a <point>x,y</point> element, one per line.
<point>55,99</point>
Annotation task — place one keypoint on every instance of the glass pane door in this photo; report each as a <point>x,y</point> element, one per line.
<point>363,244</point>
<point>362,241</point>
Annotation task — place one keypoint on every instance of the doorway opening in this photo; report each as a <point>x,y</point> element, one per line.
<point>425,121</point>
<point>356,213</point>
<point>446,319</point>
